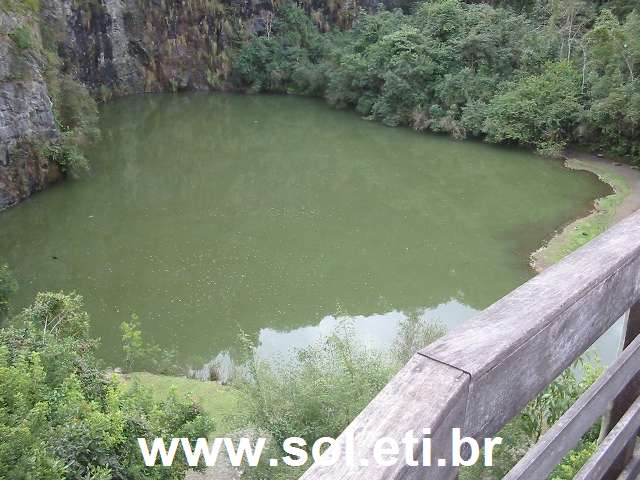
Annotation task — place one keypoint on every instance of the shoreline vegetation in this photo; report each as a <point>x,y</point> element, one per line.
<point>624,181</point>
<point>544,76</point>
<point>217,400</point>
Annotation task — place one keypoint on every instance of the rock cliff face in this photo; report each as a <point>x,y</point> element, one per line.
<point>118,47</point>
<point>114,48</point>
<point>26,114</point>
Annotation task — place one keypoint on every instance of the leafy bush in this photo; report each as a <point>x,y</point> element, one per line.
<point>64,416</point>
<point>76,113</point>
<point>66,153</point>
<point>76,109</point>
<point>574,461</point>
<point>329,385</point>
<point>318,396</point>
<point>132,344</point>
<point>541,413</point>
<point>540,110</point>
<point>58,314</point>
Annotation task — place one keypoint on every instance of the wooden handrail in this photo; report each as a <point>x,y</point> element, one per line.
<point>541,459</point>
<point>613,444</point>
<point>484,372</point>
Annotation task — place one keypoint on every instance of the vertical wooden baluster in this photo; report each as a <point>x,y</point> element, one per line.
<point>624,400</point>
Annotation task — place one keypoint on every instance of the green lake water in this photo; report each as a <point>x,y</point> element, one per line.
<point>207,214</point>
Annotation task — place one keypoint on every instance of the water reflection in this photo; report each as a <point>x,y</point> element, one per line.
<point>376,331</point>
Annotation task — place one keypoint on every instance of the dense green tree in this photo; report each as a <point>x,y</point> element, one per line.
<point>283,60</point>
<point>422,69</point>
<point>540,110</point>
<point>613,68</point>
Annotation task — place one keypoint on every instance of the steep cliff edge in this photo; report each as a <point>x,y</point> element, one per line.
<point>118,47</point>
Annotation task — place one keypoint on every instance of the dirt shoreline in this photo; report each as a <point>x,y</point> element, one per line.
<point>625,199</point>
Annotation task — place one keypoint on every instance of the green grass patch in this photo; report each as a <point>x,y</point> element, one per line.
<point>587,228</point>
<point>219,401</point>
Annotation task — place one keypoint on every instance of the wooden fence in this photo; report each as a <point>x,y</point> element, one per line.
<point>483,373</point>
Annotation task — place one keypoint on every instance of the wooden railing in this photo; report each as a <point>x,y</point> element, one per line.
<point>483,373</point>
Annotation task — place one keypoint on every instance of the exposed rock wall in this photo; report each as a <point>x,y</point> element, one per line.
<point>26,116</point>
<point>118,47</point>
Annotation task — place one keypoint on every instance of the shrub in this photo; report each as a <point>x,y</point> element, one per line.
<point>66,153</point>
<point>574,461</point>
<point>540,414</point>
<point>132,345</point>
<point>77,117</point>
<point>58,314</point>
<point>77,110</point>
<point>540,110</point>
<point>64,416</point>
<point>319,395</point>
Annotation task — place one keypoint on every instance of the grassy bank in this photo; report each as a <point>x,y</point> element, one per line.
<point>217,400</point>
<point>604,214</point>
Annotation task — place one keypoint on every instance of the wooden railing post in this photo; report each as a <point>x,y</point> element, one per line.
<point>626,398</point>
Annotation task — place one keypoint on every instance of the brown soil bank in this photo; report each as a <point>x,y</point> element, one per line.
<point>625,199</point>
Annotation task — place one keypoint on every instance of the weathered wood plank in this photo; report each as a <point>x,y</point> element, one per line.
<point>632,470</point>
<point>541,459</point>
<point>613,444</point>
<point>517,346</point>
<point>626,397</point>
<point>424,394</point>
